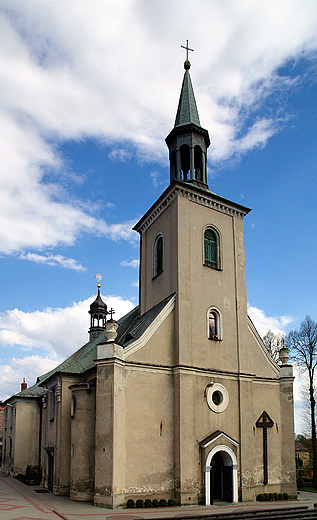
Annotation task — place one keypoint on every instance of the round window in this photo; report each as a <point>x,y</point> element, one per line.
<point>217,397</point>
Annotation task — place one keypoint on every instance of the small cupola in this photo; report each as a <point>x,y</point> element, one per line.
<point>98,314</point>
<point>188,141</point>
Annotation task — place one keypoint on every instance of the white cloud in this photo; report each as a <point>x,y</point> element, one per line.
<point>29,367</point>
<point>59,331</point>
<point>132,263</point>
<point>67,73</point>
<point>49,259</point>
<point>264,323</point>
<point>53,334</point>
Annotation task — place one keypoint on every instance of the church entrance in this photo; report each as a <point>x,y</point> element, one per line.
<point>221,485</point>
<point>221,475</point>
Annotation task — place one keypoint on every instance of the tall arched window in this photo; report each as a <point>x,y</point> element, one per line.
<point>214,324</point>
<point>158,256</point>
<point>211,249</point>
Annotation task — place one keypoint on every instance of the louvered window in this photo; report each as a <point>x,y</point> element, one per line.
<point>211,248</point>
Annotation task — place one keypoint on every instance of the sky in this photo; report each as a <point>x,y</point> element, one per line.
<point>89,91</point>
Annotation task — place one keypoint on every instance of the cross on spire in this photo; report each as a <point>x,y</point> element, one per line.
<point>187,49</point>
<point>111,312</point>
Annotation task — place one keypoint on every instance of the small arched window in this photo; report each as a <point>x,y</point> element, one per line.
<point>158,256</point>
<point>214,324</point>
<point>211,249</point>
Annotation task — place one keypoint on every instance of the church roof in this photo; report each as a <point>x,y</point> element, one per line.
<point>187,109</point>
<point>140,323</point>
<point>130,328</point>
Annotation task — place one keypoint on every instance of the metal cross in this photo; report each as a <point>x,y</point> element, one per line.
<point>187,49</point>
<point>111,312</point>
<point>99,277</point>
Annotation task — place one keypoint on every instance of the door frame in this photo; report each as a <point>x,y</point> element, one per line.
<point>229,459</point>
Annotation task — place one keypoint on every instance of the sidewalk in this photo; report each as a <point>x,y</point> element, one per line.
<point>17,500</point>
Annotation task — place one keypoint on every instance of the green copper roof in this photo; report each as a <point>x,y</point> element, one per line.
<point>187,109</point>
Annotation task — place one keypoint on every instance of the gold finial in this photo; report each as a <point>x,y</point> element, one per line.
<point>187,62</point>
<point>99,277</point>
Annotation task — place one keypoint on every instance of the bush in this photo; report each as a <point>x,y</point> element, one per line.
<point>266,497</point>
<point>130,503</point>
<point>280,496</point>
<point>270,497</point>
<point>260,497</point>
<point>275,496</point>
<point>171,502</point>
<point>147,502</point>
<point>155,502</point>
<point>285,496</point>
<point>139,503</point>
<point>162,502</point>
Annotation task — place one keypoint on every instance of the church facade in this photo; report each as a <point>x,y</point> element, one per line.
<point>180,398</point>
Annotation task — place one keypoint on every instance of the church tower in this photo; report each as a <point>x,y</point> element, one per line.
<point>192,246</point>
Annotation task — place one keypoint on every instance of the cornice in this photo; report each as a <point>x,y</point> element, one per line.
<point>193,194</point>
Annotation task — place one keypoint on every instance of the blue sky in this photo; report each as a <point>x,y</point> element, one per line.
<point>89,93</point>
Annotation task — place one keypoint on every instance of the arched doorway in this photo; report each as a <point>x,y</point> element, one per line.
<point>221,475</point>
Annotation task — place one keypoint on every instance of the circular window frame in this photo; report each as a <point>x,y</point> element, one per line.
<point>212,389</point>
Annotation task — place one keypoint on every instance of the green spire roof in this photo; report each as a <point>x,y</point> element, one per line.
<point>187,109</point>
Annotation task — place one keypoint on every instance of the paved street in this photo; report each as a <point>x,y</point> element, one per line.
<point>21,502</point>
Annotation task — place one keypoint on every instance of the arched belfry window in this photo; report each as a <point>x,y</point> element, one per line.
<point>211,248</point>
<point>158,255</point>
<point>185,161</point>
<point>198,163</point>
<point>214,324</point>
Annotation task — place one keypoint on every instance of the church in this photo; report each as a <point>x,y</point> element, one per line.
<point>179,398</point>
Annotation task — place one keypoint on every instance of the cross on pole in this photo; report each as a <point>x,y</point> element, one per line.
<point>265,422</point>
<point>187,49</point>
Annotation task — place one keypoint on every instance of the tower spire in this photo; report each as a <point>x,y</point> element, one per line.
<point>188,141</point>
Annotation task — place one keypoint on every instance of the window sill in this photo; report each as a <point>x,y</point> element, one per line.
<point>158,274</point>
<point>211,267</point>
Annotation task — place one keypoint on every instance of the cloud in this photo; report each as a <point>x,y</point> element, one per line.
<point>68,74</point>
<point>265,323</point>
<point>132,263</point>
<point>119,154</point>
<point>49,259</point>
<point>28,367</point>
<point>59,331</point>
<point>43,339</point>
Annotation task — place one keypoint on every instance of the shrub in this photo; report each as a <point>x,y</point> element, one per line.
<point>147,502</point>
<point>260,497</point>
<point>171,502</point>
<point>266,497</point>
<point>285,496</point>
<point>162,502</point>
<point>275,496</point>
<point>130,503</point>
<point>271,496</point>
<point>155,502</point>
<point>139,503</point>
<point>280,496</point>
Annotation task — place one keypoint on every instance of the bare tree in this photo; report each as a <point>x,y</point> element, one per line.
<point>274,343</point>
<point>302,343</point>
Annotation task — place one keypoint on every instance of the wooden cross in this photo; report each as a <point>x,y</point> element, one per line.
<point>265,422</point>
<point>187,49</point>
